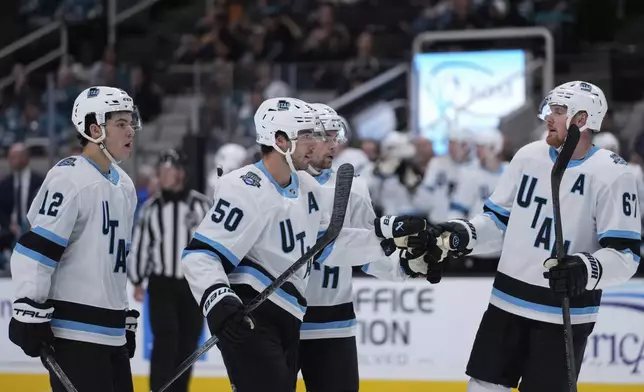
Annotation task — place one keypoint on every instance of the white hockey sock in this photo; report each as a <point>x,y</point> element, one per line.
<point>481,386</point>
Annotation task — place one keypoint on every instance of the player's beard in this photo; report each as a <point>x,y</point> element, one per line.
<point>553,139</point>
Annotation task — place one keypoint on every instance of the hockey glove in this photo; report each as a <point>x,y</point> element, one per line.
<point>569,276</point>
<point>458,236</point>
<point>131,324</point>
<point>224,312</point>
<point>30,327</point>
<point>390,226</point>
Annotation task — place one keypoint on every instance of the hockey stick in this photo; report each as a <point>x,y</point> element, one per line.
<point>560,251</point>
<point>49,361</point>
<point>340,202</point>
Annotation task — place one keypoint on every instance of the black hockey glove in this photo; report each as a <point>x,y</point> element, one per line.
<point>421,253</point>
<point>131,324</point>
<point>29,327</point>
<point>390,226</point>
<point>569,276</point>
<point>225,314</point>
<point>458,236</point>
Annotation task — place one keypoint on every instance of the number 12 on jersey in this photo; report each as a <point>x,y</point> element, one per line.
<point>55,202</point>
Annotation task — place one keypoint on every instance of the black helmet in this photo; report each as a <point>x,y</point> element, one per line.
<point>172,157</point>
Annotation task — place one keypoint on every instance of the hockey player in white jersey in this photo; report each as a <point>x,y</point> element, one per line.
<point>69,270</point>
<point>521,334</point>
<point>434,194</point>
<point>266,216</point>
<point>327,339</point>
<point>475,185</point>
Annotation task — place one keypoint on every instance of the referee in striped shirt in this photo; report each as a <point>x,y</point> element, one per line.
<point>166,224</point>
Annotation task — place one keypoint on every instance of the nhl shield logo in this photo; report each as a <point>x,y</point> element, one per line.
<point>251,179</point>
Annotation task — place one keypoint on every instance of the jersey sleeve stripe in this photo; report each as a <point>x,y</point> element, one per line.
<point>40,258</point>
<point>196,246</point>
<point>266,278</point>
<point>635,257</point>
<point>625,234</point>
<point>500,221</point>
<point>496,208</point>
<point>221,249</point>
<point>51,236</point>
<point>459,207</point>
<point>631,246</point>
<point>322,256</point>
<point>41,245</point>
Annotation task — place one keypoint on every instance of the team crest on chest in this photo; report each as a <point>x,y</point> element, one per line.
<point>251,179</point>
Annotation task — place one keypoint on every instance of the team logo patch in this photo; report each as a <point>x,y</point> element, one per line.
<point>585,87</point>
<point>291,191</point>
<point>251,179</point>
<point>283,105</point>
<point>617,159</point>
<point>67,162</point>
<point>93,92</point>
<point>455,241</point>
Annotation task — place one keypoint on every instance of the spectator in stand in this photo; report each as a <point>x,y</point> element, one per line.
<point>365,65</point>
<point>328,40</point>
<point>21,89</point>
<point>281,35</point>
<point>67,89</point>
<point>448,15</point>
<point>17,191</point>
<point>35,123</point>
<point>147,94</point>
<point>371,148</point>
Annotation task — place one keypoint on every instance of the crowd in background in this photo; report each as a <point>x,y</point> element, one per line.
<point>339,45</point>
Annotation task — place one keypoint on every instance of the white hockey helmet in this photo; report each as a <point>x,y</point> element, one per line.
<point>607,141</point>
<point>292,116</point>
<point>99,101</point>
<point>230,156</point>
<point>332,121</point>
<point>576,97</point>
<point>458,134</point>
<point>490,138</point>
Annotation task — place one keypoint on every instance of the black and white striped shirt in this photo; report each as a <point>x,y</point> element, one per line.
<point>166,224</point>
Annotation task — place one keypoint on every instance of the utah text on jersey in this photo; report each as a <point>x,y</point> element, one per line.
<point>600,216</point>
<point>75,254</point>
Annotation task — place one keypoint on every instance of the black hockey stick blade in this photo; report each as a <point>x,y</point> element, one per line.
<point>340,203</point>
<point>560,166</point>
<point>48,360</point>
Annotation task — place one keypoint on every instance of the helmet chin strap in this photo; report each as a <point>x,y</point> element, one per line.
<point>287,154</point>
<point>103,148</point>
<point>313,171</point>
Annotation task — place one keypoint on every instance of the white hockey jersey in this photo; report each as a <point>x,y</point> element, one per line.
<point>600,216</point>
<point>258,229</point>
<point>434,194</point>
<point>75,254</point>
<point>329,292</point>
<point>474,187</point>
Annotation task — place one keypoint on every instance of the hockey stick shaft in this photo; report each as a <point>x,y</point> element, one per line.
<point>560,250</point>
<point>340,203</point>
<point>50,362</point>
